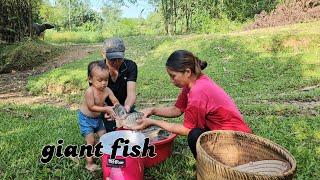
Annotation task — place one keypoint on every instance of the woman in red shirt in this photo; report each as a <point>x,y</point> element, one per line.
<point>205,105</point>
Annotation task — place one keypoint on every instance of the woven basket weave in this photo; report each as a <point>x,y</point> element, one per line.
<point>224,154</point>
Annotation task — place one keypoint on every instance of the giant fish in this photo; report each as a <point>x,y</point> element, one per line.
<point>124,119</point>
<point>154,133</point>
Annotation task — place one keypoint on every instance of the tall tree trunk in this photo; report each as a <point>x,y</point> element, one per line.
<point>187,17</point>
<point>164,14</point>
<point>170,16</point>
<point>175,16</point>
<point>69,14</point>
<point>30,19</point>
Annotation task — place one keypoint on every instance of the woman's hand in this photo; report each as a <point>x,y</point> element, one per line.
<point>143,123</point>
<point>127,108</point>
<point>147,112</point>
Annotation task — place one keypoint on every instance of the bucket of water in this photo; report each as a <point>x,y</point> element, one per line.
<point>119,168</point>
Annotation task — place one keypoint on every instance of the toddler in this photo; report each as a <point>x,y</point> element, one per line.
<point>90,115</point>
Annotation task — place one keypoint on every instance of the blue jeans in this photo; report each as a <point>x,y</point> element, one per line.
<point>89,124</point>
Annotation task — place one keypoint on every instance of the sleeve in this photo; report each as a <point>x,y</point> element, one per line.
<point>182,100</point>
<point>132,71</point>
<point>195,114</point>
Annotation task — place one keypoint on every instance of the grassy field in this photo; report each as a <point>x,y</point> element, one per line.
<point>263,70</point>
<point>74,37</point>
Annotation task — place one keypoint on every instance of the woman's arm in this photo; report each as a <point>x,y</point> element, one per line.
<point>131,95</point>
<point>171,111</point>
<point>171,127</point>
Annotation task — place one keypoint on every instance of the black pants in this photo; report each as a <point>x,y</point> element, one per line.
<point>193,136</point>
<point>109,125</point>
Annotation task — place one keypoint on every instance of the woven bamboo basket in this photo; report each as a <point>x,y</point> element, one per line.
<point>225,154</point>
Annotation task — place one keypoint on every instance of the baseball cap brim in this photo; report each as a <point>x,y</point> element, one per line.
<point>115,55</point>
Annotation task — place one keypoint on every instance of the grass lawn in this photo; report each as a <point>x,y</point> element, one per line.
<point>263,70</point>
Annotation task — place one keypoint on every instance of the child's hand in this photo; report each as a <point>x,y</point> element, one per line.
<point>107,117</point>
<point>110,113</point>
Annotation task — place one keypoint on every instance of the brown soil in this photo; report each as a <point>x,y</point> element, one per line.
<point>12,85</point>
<point>290,12</point>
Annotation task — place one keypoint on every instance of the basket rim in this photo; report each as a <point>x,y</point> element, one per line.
<point>276,146</point>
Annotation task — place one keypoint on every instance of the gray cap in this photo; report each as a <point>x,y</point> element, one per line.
<point>114,48</point>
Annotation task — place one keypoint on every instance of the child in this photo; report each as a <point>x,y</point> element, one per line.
<point>92,109</point>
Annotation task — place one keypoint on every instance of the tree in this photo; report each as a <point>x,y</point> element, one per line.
<point>192,14</point>
<point>71,14</point>
<point>16,19</point>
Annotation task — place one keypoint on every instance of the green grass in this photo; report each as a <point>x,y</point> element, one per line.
<point>25,131</point>
<point>129,28</point>
<point>75,36</point>
<point>263,70</point>
<point>25,55</point>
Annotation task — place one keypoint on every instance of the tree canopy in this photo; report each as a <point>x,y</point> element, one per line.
<point>169,17</point>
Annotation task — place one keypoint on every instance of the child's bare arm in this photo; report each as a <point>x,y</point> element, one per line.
<point>93,107</point>
<point>112,97</point>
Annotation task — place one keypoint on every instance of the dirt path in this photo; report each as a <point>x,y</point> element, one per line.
<point>13,85</point>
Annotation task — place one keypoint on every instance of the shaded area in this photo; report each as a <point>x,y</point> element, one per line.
<point>16,81</point>
<point>26,55</point>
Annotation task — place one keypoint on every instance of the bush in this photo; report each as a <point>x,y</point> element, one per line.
<point>205,24</point>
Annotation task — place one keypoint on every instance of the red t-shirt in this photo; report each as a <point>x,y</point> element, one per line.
<point>206,105</point>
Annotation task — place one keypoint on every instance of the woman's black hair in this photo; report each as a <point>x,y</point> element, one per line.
<point>181,60</point>
<point>93,64</point>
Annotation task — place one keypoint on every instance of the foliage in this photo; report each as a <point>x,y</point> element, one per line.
<point>16,19</point>
<point>188,16</point>
<point>171,17</point>
<point>71,15</point>
<point>101,25</point>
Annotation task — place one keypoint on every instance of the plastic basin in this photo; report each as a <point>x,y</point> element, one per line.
<point>163,150</point>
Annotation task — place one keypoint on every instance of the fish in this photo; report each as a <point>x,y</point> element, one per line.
<point>129,120</point>
<point>125,119</point>
<point>120,110</point>
<point>155,133</point>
